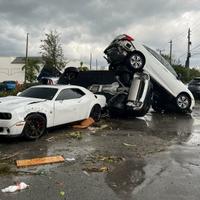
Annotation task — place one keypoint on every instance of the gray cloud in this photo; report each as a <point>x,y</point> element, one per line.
<point>90,25</point>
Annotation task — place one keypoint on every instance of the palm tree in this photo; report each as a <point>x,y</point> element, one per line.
<point>31,69</point>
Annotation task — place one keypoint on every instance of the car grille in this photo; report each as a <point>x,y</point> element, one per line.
<point>5,115</point>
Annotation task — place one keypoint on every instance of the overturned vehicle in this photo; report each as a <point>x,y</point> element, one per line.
<point>137,78</point>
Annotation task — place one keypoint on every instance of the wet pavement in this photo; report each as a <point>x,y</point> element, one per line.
<point>153,157</point>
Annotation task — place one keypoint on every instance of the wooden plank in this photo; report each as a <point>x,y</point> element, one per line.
<point>40,161</point>
<point>85,123</point>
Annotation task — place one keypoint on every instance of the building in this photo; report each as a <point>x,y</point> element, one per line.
<point>11,68</point>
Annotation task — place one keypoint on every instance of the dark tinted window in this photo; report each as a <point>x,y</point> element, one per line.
<point>194,82</point>
<point>39,92</point>
<point>70,94</point>
<point>9,82</point>
<point>161,60</point>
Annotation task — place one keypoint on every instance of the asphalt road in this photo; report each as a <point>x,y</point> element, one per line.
<point>154,157</point>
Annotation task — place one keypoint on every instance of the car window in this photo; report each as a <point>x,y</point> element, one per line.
<point>70,93</point>
<point>195,81</point>
<point>161,60</point>
<point>9,82</point>
<point>39,92</point>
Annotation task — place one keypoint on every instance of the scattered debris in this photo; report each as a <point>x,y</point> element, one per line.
<point>94,129</point>
<point>6,157</point>
<point>70,159</point>
<point>5,168</point>
<point>85,123</point>
<point>50,139</point>
<point>129,145</point>
<point>75,135</point>
<point>110,159</point>
<point>14,188</point>
<point>96,169</point>
<point>39,161</point>
<point>86,173</point>
<point>62,193</point>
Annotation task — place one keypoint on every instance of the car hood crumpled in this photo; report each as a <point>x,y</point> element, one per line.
<point>10,103</point>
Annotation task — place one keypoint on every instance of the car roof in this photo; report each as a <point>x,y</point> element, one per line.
<point>59,86</point>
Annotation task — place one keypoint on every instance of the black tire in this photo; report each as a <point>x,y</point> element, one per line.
<point>96,113</point>
<point>183,102</point>
<point>35,126</point>
<point>136,61</point>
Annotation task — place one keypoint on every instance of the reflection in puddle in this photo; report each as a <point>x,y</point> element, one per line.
<point>125,177</point>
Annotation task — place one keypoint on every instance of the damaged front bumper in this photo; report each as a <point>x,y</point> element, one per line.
<point>13,126</point>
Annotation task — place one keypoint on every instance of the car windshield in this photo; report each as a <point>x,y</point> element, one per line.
<point>161,60</point>
<point>39,92</point>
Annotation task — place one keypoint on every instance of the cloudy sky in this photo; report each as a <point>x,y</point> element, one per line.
<point>89,25</point>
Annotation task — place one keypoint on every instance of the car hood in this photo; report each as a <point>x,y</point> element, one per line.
<point>11,103</point>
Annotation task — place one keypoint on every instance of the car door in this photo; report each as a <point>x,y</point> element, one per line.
<point>68,106</point>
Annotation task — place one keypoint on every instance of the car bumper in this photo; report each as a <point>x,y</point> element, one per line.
<point>14,126</point>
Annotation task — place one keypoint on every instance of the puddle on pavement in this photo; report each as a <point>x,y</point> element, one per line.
<point>125,177</point>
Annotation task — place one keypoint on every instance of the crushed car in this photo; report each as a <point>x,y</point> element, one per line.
<point>44,106</point>
<point>142,78</point>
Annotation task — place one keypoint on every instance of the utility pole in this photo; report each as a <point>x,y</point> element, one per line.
<point>187,62</point>
<point>96,64</point>
<point>170,52</point>
<point>26,61</point>
<point>90,61</point>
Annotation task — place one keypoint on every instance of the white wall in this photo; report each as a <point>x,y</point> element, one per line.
<point>9,71</point>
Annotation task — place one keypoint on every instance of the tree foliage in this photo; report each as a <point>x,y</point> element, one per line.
<point>52,52</point>
<point>186,74</point>
<point>31,69</point>
<point>82,68</point>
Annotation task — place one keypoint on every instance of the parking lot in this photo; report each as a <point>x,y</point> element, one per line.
<point>153,157</point>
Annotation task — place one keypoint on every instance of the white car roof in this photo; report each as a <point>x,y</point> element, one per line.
<point>59,87</point>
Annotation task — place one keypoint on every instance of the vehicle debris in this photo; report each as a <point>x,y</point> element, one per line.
<point>96,169</point>
<point>40,161</point>
<point>14,188</point>
<point>85,123</point>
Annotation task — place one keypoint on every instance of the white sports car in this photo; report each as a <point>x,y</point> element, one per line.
<point>41,107</point>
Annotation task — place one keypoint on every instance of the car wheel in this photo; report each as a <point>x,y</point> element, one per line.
<point>35,126</point>
<point>96,113</point>
<point>136,61</point>
<point>183,102</point>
